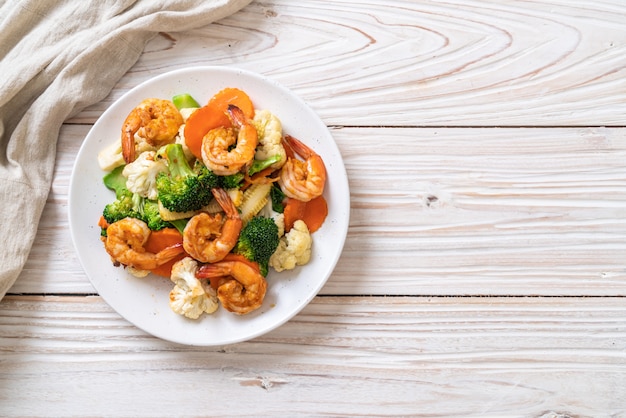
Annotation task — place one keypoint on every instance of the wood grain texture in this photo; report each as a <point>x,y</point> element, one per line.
<point>484,211</point>
<point>485,145</point>
<point>426,63</point>
<point>447,212</point>
<point>340,356</point>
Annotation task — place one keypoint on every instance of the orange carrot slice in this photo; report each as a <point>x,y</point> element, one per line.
<point>294,210</point>
<point>160,240</point>
<point>315,212</point>
<point>234,96</point>
<point>102,223</point>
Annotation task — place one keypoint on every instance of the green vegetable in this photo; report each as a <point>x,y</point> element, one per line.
<point>122,207</point>
<point>260,165</point>
<point>233,181</point>
<point>180,224</point>
<point>184,189</point>
<point>257,241</point>
<point>116,181</point>
<point>152,217</point>
<point>183,101</point>
<point>277,197</point>
<point>126,204</point>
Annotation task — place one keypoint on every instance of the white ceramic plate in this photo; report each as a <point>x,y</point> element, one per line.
<point>144,301</point>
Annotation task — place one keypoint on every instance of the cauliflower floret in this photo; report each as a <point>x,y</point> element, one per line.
<point>279,220</point>
<point>185,112</point>
<point>294,248</point>
<point>270,133</point>
<point>111,156</point>
<point>180,139</point>
<point>190,297</point>
<point>141,174</point>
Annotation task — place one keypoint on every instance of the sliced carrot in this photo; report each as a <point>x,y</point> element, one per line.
<point>234,96</point>
<point>102,223</point>
<point>214,115</point>
<point>199,124</point>
<point>315,212</point>
<point>160,240</point>
<point>294,210</point>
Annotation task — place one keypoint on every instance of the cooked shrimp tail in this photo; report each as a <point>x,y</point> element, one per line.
<point>168,253</point>
<point>128,141</point>
<point>302,180</point>
<point>242,287</point>
<point>209,238</point>
<point>237,116</point>
<point>299,147</point>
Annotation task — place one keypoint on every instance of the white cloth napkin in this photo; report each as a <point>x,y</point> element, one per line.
<point>56,58</point>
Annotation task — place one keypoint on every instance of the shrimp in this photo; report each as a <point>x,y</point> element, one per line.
<point>209,238</point>
<point>302,180</point>
<point>125,243</point>
<point>241,287</point>
<point>216,145</point>
<point>155,120</point>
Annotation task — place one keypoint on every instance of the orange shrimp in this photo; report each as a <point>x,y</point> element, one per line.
<point>210,238</point>
<point>155,120</point>
<point>241,288</point>
<point>302,180</point>
<point>217,152</point>
<point>125,242</point>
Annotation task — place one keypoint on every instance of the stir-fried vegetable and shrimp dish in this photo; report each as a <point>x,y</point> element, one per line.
<point>212,197</point>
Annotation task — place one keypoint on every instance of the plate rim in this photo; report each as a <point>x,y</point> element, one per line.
<point>339,234</point>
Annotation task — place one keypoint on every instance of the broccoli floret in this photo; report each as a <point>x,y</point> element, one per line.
<point>183,188</point>
<point>126,203</point>
<point>260,165</point>
<point>131,205</point>
<point>233,181</point>
<point>152,217</point>
<point>122,207</point>
<point>257,241</point>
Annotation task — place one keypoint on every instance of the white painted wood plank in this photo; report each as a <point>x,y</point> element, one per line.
<point>426,63</point>
<point>484,211</point>
<point>434,212</point>
<point>66,356</point>
<point>52,265</point>
<point>440,212</point>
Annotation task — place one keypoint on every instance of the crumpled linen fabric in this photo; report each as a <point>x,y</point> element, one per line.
<point>56,58</point>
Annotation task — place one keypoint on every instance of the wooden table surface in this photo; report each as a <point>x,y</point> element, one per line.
<point>484,270</point>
